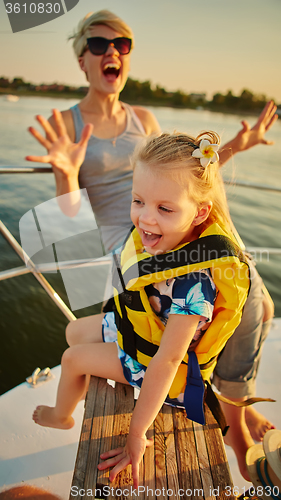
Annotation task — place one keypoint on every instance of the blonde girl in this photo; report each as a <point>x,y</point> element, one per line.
<point>177,304</point>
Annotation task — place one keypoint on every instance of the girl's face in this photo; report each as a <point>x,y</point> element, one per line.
<point>162,212</point>
<point>108,72</point>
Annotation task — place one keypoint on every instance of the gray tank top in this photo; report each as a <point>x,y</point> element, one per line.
<point>107,175</point>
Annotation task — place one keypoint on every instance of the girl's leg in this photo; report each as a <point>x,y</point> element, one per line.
<point>84,330</point>
<point>99,359</point>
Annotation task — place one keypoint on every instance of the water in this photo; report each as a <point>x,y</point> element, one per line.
<point>31,326</point>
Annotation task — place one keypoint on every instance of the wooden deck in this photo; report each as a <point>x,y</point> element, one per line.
<point>187,461</point>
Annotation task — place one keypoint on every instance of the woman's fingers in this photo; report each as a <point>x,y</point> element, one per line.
<point>268,115</point>
<point>50,132</point>
<point>40,138</point>
<point>60,125</point>
<point>246,126</point>
<point>272,120</point>
<point>86,134</point>
<point>39,159</point>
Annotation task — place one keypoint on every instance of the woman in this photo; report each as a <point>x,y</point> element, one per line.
<point>104,56</point>
<point>118,128</point>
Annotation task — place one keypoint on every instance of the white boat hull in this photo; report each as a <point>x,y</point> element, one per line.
<point>45,457</point>
<point>33,454</point>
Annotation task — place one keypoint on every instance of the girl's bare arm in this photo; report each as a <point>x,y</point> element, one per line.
<point>155,387</point>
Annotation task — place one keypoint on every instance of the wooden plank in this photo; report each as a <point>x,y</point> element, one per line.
<point>171,463</point>
<point>124,405</point>
<point>188,465</point>
<point>149,466</point>
<point>187,461</point>
<point>96,436</point>
<point>84,443</point>
<point>106,433</point>
<point>140,493</point>
<point>217,459</point>
<point>160,457</point>
<point>203,459</point>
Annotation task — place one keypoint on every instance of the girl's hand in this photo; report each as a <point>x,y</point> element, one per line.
<point>249,137</point>
<point>120,458</point>
<point>65,156</point>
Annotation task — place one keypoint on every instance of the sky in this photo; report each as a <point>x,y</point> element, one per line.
<point>189,45</point>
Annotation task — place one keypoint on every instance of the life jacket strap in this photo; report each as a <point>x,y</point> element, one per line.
<point>215,407</point>
<point>246,402</point>
<point>194,391</point>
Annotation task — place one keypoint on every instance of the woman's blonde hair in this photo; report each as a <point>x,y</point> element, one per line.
<point>104,17</point>
<point>171,155</point>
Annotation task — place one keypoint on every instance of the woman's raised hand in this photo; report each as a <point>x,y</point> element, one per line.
<point>249,137</point>
<point>120,458</point>
<point>65,156</point>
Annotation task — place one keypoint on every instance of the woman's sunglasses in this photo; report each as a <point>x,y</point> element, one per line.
<point>99,45</point>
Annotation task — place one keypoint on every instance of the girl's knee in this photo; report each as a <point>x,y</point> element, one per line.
<point>71,333</point>
<point>68,357</point>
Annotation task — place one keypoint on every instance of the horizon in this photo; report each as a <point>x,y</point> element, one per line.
<point>199,48</point>
<point>153,87</point>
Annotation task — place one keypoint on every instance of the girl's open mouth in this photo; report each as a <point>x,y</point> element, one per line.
<point>150,239</point>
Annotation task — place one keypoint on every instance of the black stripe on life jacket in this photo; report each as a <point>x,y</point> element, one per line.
<point>131,341</point>
<point>204,249</point>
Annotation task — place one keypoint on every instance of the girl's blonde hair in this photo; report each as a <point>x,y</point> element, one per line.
<point>104,17</point>
<point>171,155</point>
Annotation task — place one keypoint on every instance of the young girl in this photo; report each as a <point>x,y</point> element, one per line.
<point>180,287</point>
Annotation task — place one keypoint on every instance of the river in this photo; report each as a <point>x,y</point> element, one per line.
<point>31,326</point>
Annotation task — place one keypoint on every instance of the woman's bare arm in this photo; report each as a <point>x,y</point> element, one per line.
<point>249,137</point>
<point>65,156</point>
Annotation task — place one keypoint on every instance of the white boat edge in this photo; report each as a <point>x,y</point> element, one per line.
<point>45,457</point>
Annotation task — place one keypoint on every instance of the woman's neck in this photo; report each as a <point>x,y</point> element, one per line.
<point>106,105</point>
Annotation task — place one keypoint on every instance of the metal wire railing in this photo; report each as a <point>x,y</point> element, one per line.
<point>37,270</point>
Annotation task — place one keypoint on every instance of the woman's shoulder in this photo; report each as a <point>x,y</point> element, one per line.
<point>68,121</point>
<point>148,120</point>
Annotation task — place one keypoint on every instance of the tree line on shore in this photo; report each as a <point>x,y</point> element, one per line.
<point>145,93</point>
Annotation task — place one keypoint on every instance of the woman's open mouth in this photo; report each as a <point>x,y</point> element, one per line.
<point>150,239</point>
<point>111,71</point>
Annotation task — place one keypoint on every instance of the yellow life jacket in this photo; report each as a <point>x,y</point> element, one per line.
<point>140,329</point>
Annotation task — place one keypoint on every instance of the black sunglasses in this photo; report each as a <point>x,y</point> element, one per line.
<point>99,45</point>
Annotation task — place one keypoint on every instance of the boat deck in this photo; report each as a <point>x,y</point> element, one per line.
<point>187,460</point>
<point>46,457</point>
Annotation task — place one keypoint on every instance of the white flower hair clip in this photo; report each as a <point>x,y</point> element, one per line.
<point>207,153</point>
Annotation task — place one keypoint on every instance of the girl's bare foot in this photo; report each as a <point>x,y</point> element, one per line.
<point>46,416</point>
<point>257,424</point>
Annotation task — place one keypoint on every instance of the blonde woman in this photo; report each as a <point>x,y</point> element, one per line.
<point>113,130</point>
<point>117,127</point>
